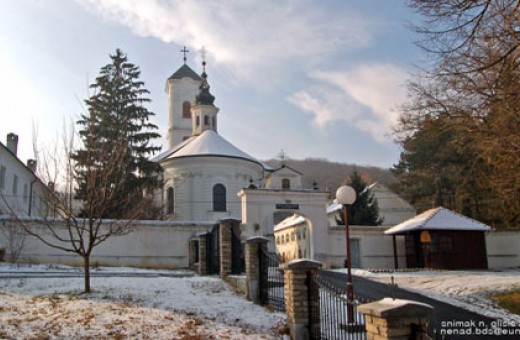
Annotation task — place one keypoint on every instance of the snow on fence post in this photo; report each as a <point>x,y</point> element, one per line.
<point>395,319</point>
<point>253,275</point>
<point>297,299</point>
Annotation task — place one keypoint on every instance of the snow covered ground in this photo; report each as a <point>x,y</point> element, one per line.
<point>471,290</point>
<point>150,304</point>
<point>151,307</point>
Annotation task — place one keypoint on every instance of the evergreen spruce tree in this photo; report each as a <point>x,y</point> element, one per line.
<point>365,210</point>
<point>117,137</point>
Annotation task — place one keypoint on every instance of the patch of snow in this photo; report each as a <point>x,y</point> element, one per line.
<point>142,307</point>
<point>471,290</point>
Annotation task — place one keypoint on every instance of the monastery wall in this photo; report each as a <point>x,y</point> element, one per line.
<point>503,249</point>
<point>151,244</point>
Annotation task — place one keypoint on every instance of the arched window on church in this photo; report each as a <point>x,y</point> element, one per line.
<point>206,120</point>
<point>170,201</point>
<point>197,121</point>
<point>286,183</point>
<point>186,109</point>
<point>219,197</point>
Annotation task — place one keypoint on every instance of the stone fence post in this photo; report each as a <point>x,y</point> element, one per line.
<point>395,319</point>
<point>203,268</point>
<point>297,298</point>
<point>254,245</point>
<point>225,248</point>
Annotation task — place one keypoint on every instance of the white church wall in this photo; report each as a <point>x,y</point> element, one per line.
<point>151,244</point>
<point>194,179</point>
<point>503,249</point>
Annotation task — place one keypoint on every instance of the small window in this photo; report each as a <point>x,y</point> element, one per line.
<point>299,236</point>
<point>286,183</point>
<point>214,123</point>
<point>2,177</point>
<point>219,197</point>
<point>25,192</point>
<point>197,121</point>
<point>170,201</point>
<point>15,185</point>
<point>186,109</point>
<point>292,236</point>
<point>206,120</point>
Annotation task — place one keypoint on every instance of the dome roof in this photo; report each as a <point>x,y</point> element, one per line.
<point>209,143</point>
<point>185,71</point>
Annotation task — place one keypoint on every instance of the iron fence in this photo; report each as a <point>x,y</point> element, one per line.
<point>328,316</point>
<point>271,282</point>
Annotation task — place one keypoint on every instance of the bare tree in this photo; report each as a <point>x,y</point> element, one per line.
<point>14,238</point>
<point>473,87</point>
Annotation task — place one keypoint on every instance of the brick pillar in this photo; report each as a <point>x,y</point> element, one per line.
<point>296,296</point>
<point>395,319</point>
<point>253,275</point>
<point>225,248</point>
<point>202,254</point>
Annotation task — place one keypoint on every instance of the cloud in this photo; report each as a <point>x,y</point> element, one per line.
<point>366,97</point>
<point>249,37</point>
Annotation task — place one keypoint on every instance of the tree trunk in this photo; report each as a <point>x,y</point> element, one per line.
<point>86,268</point>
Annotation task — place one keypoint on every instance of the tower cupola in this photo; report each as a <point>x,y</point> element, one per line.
<point>204,112</point>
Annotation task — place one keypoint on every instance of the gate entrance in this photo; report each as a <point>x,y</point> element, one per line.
<point>213,251</point>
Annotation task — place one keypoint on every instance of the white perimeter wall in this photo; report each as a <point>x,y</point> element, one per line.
<point>375,248</point>
<point>503,249</point>
<point>151,244</point>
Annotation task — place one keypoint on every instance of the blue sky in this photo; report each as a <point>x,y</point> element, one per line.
<point>317,79</point>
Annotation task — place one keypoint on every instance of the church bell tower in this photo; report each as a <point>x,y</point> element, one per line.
<point>182,88</point>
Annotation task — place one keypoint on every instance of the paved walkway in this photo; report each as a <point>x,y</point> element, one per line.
<point>443,317</point>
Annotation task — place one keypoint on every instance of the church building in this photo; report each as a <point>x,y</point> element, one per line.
<point>203,172</point>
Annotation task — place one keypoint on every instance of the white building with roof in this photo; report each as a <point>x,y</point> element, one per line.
<point>203,172</point>
<point>22,193</point>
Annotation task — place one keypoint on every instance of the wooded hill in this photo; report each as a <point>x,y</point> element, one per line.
<point>331,175</point>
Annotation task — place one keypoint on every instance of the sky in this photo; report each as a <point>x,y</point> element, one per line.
<point>316,79</point>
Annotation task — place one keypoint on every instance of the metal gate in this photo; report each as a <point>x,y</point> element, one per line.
<point>271,283</point>
<point>238,264</point>
<point>213,251</point>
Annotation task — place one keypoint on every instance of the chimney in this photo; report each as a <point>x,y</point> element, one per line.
<point>31,164</point>
<point>12,143</point>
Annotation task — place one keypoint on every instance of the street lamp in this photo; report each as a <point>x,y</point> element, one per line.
<point>346,196</point>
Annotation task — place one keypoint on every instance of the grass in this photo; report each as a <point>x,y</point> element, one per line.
<point>509,301</point>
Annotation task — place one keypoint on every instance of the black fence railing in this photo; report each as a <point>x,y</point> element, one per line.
<point>213,251</point>
<point>238,264</point>
<point>271,282</point>
<point>328,314</point>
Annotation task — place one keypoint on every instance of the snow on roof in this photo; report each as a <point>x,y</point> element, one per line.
<point>289,222</point>
<point>209,143</point>
<point>438,219</point>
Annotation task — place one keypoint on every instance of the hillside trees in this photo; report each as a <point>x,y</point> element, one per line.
<point>459,131</point>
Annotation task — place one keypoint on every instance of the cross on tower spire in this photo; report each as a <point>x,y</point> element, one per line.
<point>184,51</point>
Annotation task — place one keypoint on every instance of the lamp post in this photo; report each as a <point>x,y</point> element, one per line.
<point>346,196</point>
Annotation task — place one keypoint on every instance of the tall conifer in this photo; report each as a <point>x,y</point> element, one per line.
<point>117,139</point>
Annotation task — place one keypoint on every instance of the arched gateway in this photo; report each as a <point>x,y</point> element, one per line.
<point>259,206</point>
